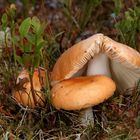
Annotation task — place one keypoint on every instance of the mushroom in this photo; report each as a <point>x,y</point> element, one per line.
<point>23,93</point>
<point>82,92</point>
<point>96,55</point>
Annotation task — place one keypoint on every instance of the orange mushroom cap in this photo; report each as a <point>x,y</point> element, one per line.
<point>82,92</point>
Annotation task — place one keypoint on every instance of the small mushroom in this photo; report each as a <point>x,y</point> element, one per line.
<point>23,93</point>
<point>96,55</point>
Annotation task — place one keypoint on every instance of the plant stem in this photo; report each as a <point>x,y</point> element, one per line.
<point>47,81</point>
<point>32,87</point>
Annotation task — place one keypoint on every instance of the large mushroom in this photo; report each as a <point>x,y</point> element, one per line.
<point>98,55</point>
<point>23,93</point>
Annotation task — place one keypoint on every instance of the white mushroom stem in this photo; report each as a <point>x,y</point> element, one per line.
<point>99,65</point>
<point>96,66</point>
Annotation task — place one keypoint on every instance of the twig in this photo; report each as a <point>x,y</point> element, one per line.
<point>23,117</point>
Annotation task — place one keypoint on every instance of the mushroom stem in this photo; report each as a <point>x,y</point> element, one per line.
<point>98,65</point>
<point>86,116</point>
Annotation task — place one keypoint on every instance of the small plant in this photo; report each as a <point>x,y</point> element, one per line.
<point>118,6</point>
<point>31,43</point>
<point>86,12</point>
<point>129,27</point>
<point>81,17</point>
<point>53,50</point>
<point>7,37</point>
<point>8,28</point>
<point>25,42</point>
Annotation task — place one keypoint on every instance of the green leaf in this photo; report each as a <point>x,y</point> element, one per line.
<point>59,34</point>
<point>4,18</point>
<point>36,24</point>
<point>31,38</point>
<point>25,26</point>
<point>38,27</point>
<point>4,21</point>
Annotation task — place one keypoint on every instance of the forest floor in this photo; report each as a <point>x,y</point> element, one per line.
<point>68,22</point>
